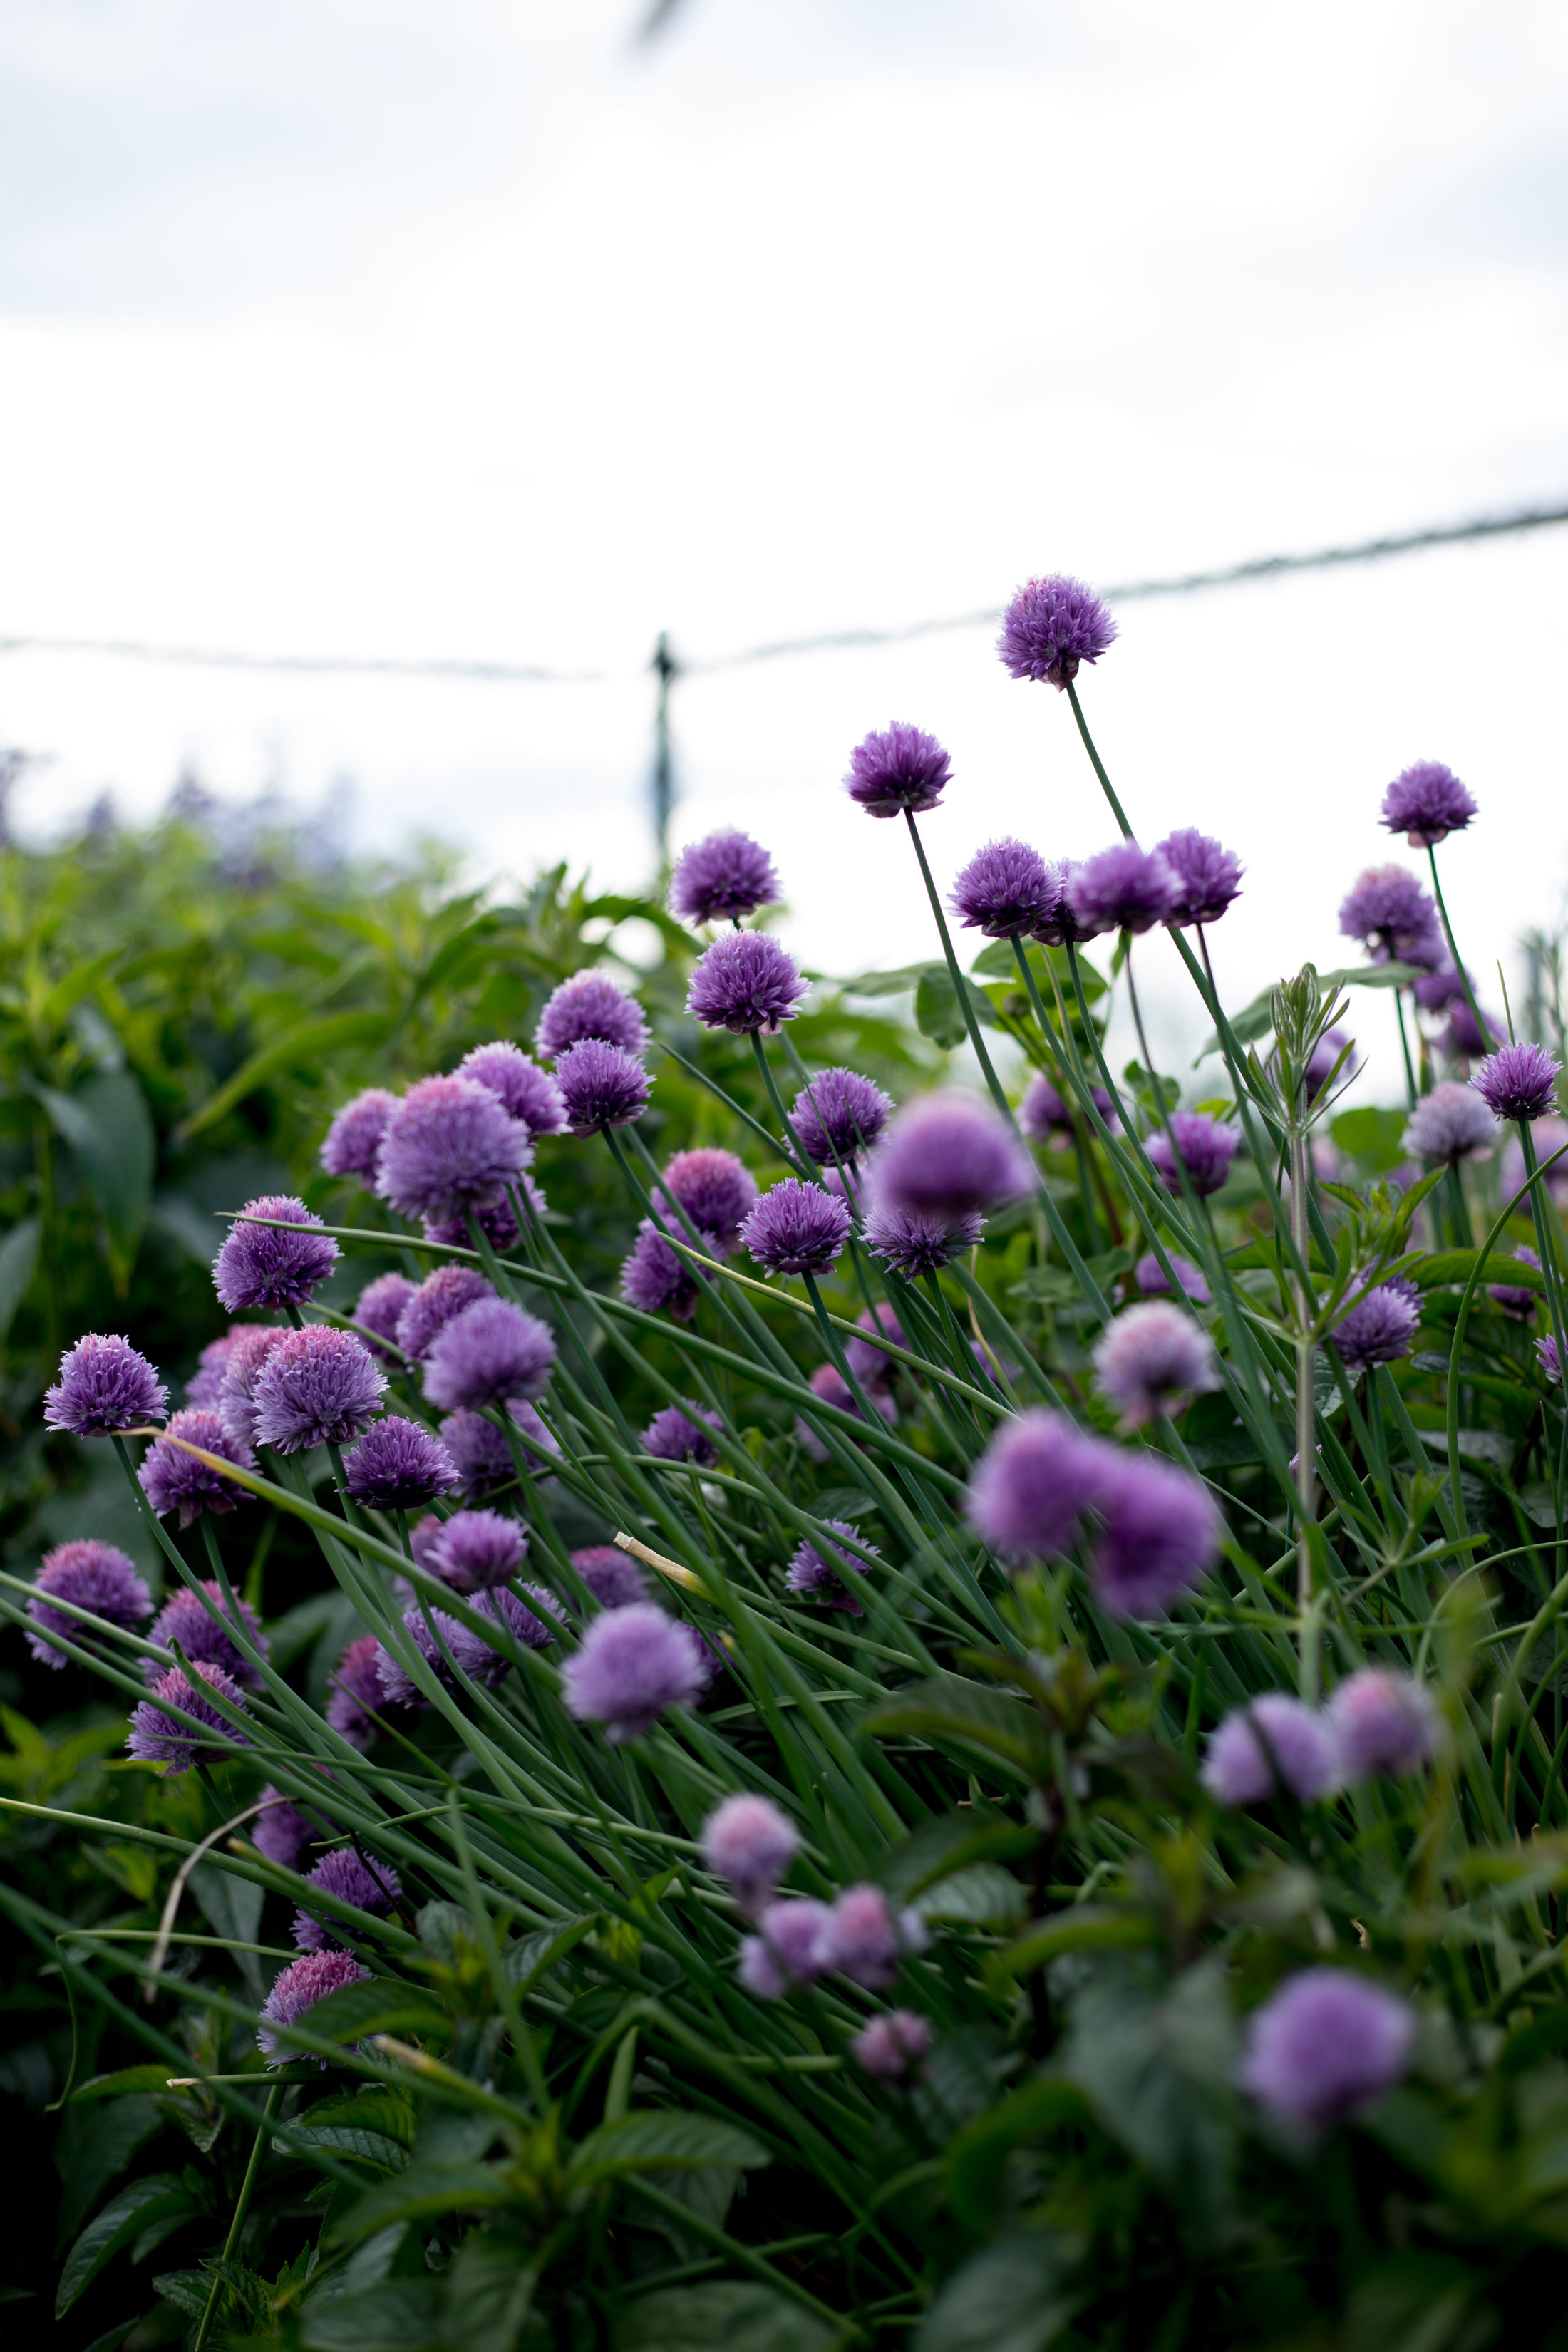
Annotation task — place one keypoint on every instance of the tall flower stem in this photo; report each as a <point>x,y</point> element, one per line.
<point>240,2211</point>
<point>1405,1048</point>
<point>1461,974</point>
<point>797,1159</point>
<point>960,988</point>
<point>1546,1245</point>
<point>1117,811</point>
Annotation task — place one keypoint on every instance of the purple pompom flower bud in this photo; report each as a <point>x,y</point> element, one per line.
<point>865,1357</point>
<point>789,1948</point>
<point>899,769</point>
<point>357,1693</point>
<point>451,1147</point>
<point>105,1386</point>
<point>912,1244</point>
<point>1153,1359</point>
<point>678,1434</point>
<point>1275,1740</point>
<point>492,1349</point>
<point>482,1452</point>
<point>611,1575</point>
<point>1326,2045</point>
<point>89,1575</point>
<point>1149,1276</point>
<point>275,1264</point>
<point>1033,1484</point>
<point>379,1308</point>
<point>1123,888</point>
<point>1391,914</point>
<point>796,1228</point>
<point>601,1086</point>
<point>1061,927</point>
<point>590,1007</point>
<point>1449,1124</point>
<point>839,1115</point>
<point>203,1636</point>
<point>440,1297</point>
<point>202,1389</point>
<point>524,1091</point>
<point>476,1550</point>
<point>889,2046</point>
<point>1161,1535</point>
<point>1204,1147</point>
<point>498,1225</point>
<point>1378,1330</point>
<point>173,1480</point>
<point>1005,890</point>
<point>1518,1082</point>
<point>342,1873</point>
<point>745,983</point>
<point>830,1383</point>
<point>353,1143</point>
<point>948,1155</point>
<point>713,1189</point>
<point>1043,1114</point>
<point>1382,1723</point>
<point>314,1976</point>
<point>722,878</point>
<point>633,1664</point>
<point>282,1832</point>
<point>816,1569</point>
<point>749,1844</point>
<point>158,1738</point>
<point>318,1386</point>
<point>1426,804</point>
<point>247,1359</point>
<point>866,1940</point>
<point>1052,626</point>
<point>1513,1297</point>
<point>1207,878</point>
<point>656,1278</point>
<point>398,1467</point>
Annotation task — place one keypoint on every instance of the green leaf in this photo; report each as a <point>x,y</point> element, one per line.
<point>422,2193</point>
<point>1432,1268</point>
<point>406,2315</point>
<point>985,1896</point>
<point>1418,2302</point>
<point>953,1841</point>
<point>126,2078</point>
<point>888,984</point>
<point>533,1957</point>
<point>1371,1136</point>
<point>722,2315</point>
<point>938,1014</point>
<point>376,2007</point>
<point>78,983</point>
<point>1051,1285</point>
<point>1014,2297</point>
<point>110,1130</point>
<point>950,1712</point>
<point>349,2139</point>
<point>305,1047</point>
<point>490,2291</point>
<point>18,1262</point>
<point>1156,2070</point>
<point>1084,1928</point>
<point>657,2140</point>
<point>157,2196</point>
<point>978,2157</point>
<point>1257,1019</point>
<point>188,2291</point>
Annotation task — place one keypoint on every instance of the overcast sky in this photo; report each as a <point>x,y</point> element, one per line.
<point>482,332</point>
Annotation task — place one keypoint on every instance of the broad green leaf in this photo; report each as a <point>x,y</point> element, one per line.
<point>1372,1135</point>
<point>978,2157</point>
<point>157,2196</point>
<point>349,2139</point>
<point>232,1908</point>
<point>189,2291</point>
<point>489,2290</point>
<point>951,1842</point>
<point>1014,2297</point>
<point>421,2194</point>
<point>722,2315</point>
<point>888,984</point>
<point>18,1262</point>
<point>533,1957</point>
<point>101,2144</point>
<point>376,2007</point>
<point>78,983</point>
<point>1157,2067</point>
<point>951,1712</point>
<point>938,1014</point>
<point>305,1047</point>
<point>1418,2302</point>
<point>1052,1285</point>
<point>1431,1268</point>
<point>1083,1928</point>
<point>406,2315</point>
<point>657,2140</point>
<point>985,1896</point>
<point>110,1130</point>
<point>126,2078</point>
<point>383,2109</point>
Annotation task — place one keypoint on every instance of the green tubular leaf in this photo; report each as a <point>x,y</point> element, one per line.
<point>722,2315</point>
<point>158,2198</point>
<point>656,2139</point>
<point>1086,1927</point>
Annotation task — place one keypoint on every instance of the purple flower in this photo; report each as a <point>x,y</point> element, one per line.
<point>89,1575</point>
<point>746,983</point>
<point>1149,1276</point>
<point>901,768</point>
<point>720,878</point>
<point>611,1575</point>
<point>282,1832</point>
<point>1323,1059</point>
<point>236,1390</point>
<point>656,1278</point>
<point>342,1873</point>
<point>601,1086</point>
<point>830,1383</point>
<point>398,1467</point>
<point>532,1627</point>
<point>912,1244</point>
<point>1436,990</point>
<point>481,1453</point>
<point>299,1987</point>
<point>1052,625</point>
<point>1449,1124</point>
<point>1378,1330</point>
<point>1005,890</point>
<point>353,1143</point>
<point>1153,1359</point>
<point>1273,1740</point>
<point>524,1091</point>
<point>492,1349</point>
<point>865,1359</point>
<point>839,1115</point>
<point>1518,1082</point>
<point>866,1942</point>
<point>889,2046</point>
<point>203,1388</point>
<point>1043,1113</point>
<point>1391,914</point>
<point>816,1569</point>
<point>1324,2046</point>
<point>379,1308</point>
<point>633,1664</point>
<point>157,1738</point>
<point>749,1844</point>
<point>1033,1484</point>
<point>1061,927</point>
<point>357,1693</point>
<point>948,1155</point>
<point>477,1548</point>
<point>173,1479</point>
<point>1207,878</point>
<point>1123,888</point>
<point>1205,1150</point>
<point>318,1386</point>
<point>430,1307</point>
<point>1464,1040</point>
<point>1426,804</point>
<point>104,1386</point>
<point>677,1434</point>
<point>1161,1535</point>
<point>589,1006</point>
<point>276,1265</point>
<point>714,1189</point>
<point>1513,1297</point>
<point>498,1225</point>
<point>204,1638</point>
<point>451,1147</point>
<point>397,1685</point>
<point>791,1948</point>
<point>796,1228</point>
<point>1382,1723</point>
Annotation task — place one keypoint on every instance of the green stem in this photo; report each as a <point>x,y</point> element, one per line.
<point>1117,811</point>
<point>960,988</point>
<point>237,2224</point>
<point>1461,974</point>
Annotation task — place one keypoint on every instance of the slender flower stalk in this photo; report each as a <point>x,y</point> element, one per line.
<point>1477,1016</point>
